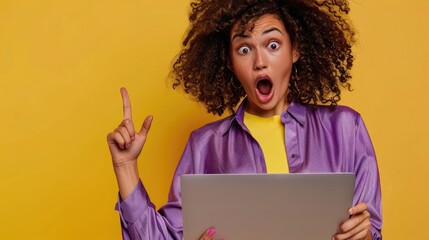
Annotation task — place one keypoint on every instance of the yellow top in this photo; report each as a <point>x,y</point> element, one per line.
<point>269,132</point>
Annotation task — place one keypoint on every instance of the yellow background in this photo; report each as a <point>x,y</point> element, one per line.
<point>62,64</point>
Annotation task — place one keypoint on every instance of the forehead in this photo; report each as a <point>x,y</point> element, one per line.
<point>257,24</point>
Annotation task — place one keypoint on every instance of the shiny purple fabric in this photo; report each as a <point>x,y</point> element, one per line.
<point>318,140</point>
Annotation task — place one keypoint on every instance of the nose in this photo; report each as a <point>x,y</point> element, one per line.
<point>260,61</point>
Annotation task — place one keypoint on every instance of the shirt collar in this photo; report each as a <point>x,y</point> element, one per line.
<point>237,118</point>
<point>295,110</point>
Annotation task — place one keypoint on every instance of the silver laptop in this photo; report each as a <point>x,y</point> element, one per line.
<point>266,206</point>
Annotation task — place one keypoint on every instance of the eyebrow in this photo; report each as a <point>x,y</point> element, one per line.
<point>243,35</point>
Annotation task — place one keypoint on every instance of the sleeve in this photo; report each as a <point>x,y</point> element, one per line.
<point>138,215</point>
<point>367,187</point>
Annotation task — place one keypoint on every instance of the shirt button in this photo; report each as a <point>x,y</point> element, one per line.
<point>284,118</point>
<point>294,155</point>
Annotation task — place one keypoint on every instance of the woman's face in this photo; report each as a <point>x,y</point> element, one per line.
<point>262,61</point>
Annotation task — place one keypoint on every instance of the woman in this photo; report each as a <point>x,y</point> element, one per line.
<point>283,57</point>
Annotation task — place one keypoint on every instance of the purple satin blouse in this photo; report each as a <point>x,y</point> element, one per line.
<point>321,140</point>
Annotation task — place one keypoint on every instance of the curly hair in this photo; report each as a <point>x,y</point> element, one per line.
<point>319,29</point>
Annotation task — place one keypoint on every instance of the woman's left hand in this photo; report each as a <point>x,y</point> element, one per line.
<point>357,227</point>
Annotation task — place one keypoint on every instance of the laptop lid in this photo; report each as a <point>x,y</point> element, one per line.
<point>266,206</point>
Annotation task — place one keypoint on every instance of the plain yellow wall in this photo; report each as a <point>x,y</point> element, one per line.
<point>62,64</point>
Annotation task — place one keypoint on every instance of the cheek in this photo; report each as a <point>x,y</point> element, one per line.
<point>242,69</point>
<point>284,63</point>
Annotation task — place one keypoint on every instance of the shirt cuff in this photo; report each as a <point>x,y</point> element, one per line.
<point>134,205</point>
<point>375,234</point>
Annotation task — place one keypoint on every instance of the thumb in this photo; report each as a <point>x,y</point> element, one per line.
<point>146,125</point>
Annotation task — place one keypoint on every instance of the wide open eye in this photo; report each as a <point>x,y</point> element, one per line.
<point>243,50</point>
<point>273,45</point>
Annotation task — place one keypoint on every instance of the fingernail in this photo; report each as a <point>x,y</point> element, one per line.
<point>351,211</point>
<point>128,145</point>
<point>211,232</point>
<point>133,138</point>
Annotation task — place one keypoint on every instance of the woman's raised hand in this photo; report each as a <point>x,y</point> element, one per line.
<point>125,145</point>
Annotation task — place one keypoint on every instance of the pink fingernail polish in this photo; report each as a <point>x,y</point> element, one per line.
<point>211,232</point>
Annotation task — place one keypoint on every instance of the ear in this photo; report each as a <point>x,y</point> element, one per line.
<point>295,53</point>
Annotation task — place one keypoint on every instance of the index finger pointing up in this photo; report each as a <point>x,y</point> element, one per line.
<point>126,103</point>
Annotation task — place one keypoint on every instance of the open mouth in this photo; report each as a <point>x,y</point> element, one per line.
<point>264,86</point>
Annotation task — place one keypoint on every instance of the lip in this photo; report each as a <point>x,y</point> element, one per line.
<point>263,76</point>
<point>264,98</point>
